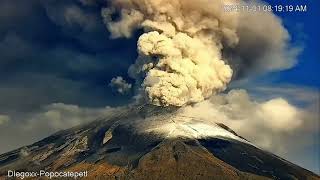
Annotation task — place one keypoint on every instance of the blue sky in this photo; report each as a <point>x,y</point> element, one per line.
<point>304,30</point>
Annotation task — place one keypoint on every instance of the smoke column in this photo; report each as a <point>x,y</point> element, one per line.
<point>180,54</point>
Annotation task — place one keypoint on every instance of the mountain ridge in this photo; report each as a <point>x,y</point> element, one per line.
<point>151,143</point>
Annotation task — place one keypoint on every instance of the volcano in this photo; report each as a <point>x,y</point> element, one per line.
<point>149,142</point>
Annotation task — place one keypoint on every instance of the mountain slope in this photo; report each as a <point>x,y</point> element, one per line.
<point>151,143</point>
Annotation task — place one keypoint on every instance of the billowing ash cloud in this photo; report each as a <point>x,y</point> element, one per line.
<point>180,59</point>
<point>186,45</point>
<point>178,70</point>
<point>263,45</point>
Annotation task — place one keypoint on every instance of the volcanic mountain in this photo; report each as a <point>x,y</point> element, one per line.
<point>148,142</point>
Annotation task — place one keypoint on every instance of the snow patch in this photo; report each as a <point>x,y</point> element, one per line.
<point>189,127</point>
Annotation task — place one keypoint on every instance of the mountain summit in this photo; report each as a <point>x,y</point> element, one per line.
<point>148,142</point>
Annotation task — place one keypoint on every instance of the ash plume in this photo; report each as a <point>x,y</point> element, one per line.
<point>190,49</point>
<point>120,85</point>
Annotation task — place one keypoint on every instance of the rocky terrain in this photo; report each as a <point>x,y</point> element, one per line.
<point>150,143</point>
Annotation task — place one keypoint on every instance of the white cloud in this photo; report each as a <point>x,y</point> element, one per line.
<point>278,114</point>
<point>34,126</point>
<point>120,85</point>
<point>294,93</point>
<point>274,124</point>
<point>59,116</point>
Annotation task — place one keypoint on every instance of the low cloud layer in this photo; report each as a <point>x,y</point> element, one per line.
<point>25,130</point>
<point>275,124</point>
